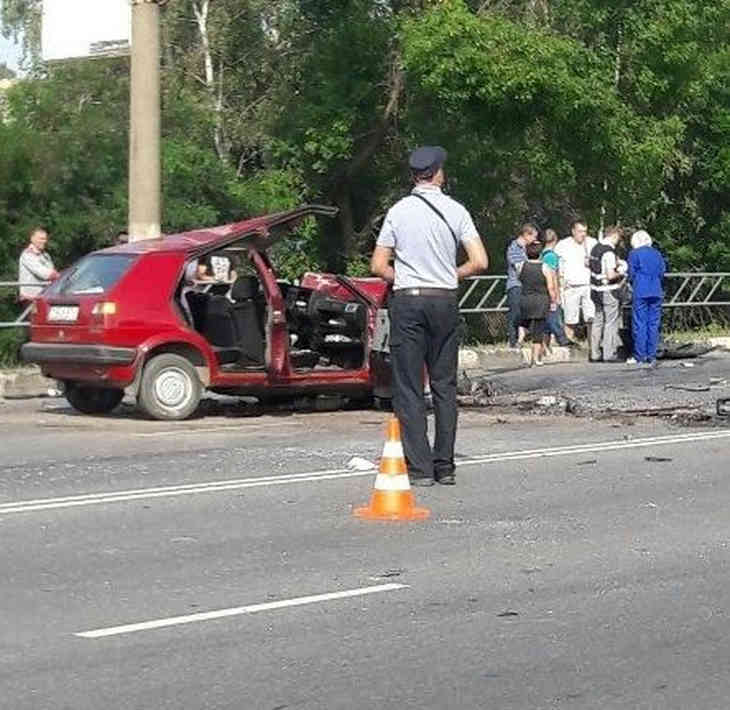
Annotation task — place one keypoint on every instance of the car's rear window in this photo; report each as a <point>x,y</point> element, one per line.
<point>93,275</point>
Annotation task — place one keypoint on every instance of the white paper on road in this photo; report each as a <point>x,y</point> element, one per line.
<point>357,463</point>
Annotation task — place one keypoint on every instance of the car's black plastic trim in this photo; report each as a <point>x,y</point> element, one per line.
<point>77,354</point>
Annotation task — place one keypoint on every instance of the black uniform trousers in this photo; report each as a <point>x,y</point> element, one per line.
<point>424,331</point>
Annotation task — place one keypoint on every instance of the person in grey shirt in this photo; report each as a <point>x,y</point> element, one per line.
<point>35,266</point>
<point>422,234</point>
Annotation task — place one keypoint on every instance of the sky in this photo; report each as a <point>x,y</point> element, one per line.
<point>9,53</point>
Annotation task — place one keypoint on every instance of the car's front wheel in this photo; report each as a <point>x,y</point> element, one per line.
<point>170,388</point>
<point>92,400</point>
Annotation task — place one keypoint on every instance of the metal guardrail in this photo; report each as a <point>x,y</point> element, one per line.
<point>22,320</point>
<point>486,294</point>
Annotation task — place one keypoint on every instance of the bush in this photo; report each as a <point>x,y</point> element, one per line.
<point>10,341</point>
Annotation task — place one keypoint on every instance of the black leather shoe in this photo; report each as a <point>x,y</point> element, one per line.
<point>447,479</point>
<point>422,481</point>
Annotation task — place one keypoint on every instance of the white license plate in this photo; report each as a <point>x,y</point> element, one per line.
<point>63,313</point>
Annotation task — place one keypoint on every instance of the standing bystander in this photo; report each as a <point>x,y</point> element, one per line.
<point>575,277</point>
<point>516,256</point>
<point>554,320</point>
<point>646,272</point>
<point>608,274</point>
<point>539,297</point>
<point>422,232</point>
<point>35,267</point>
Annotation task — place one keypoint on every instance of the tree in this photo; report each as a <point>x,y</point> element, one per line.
<point>21,20</point>
<point>6,72</point>
<point>615,109</point>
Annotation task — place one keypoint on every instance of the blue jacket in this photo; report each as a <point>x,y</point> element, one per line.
<point>646,271</point>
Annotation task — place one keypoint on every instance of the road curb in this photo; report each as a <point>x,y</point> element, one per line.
<point>23,383</point>
<point>722,343</point>
<point>487,357</point>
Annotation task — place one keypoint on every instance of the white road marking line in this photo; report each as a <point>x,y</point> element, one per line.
<point>237,611</point>
<point>26,506</point>
<point>598,446</point>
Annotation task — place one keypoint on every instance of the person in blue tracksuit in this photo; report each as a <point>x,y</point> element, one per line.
<point>646,272</point>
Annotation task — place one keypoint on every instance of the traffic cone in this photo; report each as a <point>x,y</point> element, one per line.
<point>392,498</point>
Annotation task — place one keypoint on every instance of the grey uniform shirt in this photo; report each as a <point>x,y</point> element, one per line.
<point>33,268</point>
<point>424,248</point>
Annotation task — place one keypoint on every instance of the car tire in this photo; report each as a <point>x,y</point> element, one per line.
<point>93,400</point>
<point>170,388</point>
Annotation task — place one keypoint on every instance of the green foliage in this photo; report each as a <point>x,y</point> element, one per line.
<point>298,253</point>
<point>548,108</point>
<point>10,341</point>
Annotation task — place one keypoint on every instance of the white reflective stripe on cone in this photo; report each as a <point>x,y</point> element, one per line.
<point>393,450</point>
<point>388,482</point>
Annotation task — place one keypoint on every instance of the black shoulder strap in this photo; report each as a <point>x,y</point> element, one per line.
<point>440,214</point>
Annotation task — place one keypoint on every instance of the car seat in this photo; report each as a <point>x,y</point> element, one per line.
<point>247,312</point>
<point>219,329</point>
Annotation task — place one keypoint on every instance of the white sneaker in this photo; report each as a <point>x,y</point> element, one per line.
<point>539,363</point>
<point>632,361</point>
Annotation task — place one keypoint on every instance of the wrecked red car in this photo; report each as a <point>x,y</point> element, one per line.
<point>147,318</point>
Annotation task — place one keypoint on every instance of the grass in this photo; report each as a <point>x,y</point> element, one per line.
<point>697,334</point>
<point>10,341</point>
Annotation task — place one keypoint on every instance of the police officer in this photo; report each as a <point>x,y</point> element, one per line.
<point>422,233</point>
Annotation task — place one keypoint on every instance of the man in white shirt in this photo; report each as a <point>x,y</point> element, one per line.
<point>575,277</point>
<point>35,267</point>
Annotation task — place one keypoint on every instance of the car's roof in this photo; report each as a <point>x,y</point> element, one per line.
<point>202,240</point>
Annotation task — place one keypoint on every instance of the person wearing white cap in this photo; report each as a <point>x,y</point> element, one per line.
<point>646,272</point>
<point>422,233</point>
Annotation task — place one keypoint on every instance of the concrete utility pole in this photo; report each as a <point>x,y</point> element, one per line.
<point>144,129</point>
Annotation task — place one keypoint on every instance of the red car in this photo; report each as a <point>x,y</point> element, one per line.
<point>146,317</point>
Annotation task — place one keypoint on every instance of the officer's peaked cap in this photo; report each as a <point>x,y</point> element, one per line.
<point>427,157</point>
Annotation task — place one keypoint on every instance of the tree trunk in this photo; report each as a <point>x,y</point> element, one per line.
<point>616,84</point>
<point>338,235</point>
<point>337,251</point>
<point>201,8</point>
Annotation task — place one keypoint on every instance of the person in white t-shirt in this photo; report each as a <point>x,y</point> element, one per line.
<point>575,277</point>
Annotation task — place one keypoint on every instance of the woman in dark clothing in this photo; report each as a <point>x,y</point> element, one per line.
<point>539,297</point>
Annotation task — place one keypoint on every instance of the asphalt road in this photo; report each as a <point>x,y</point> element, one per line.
<point>565,570</point>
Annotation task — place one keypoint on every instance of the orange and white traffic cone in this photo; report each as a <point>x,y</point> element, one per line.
<point>392,498</point>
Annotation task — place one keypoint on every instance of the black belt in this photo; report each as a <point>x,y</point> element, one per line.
<point>427,292</point>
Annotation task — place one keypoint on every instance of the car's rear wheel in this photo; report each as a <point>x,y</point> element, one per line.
<point>170,388</point>
<point>92,400</point>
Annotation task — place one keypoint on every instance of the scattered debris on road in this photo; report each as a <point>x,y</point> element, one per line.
<point>672,350</point>
<point>688,388</point>
<point>474,392</point>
